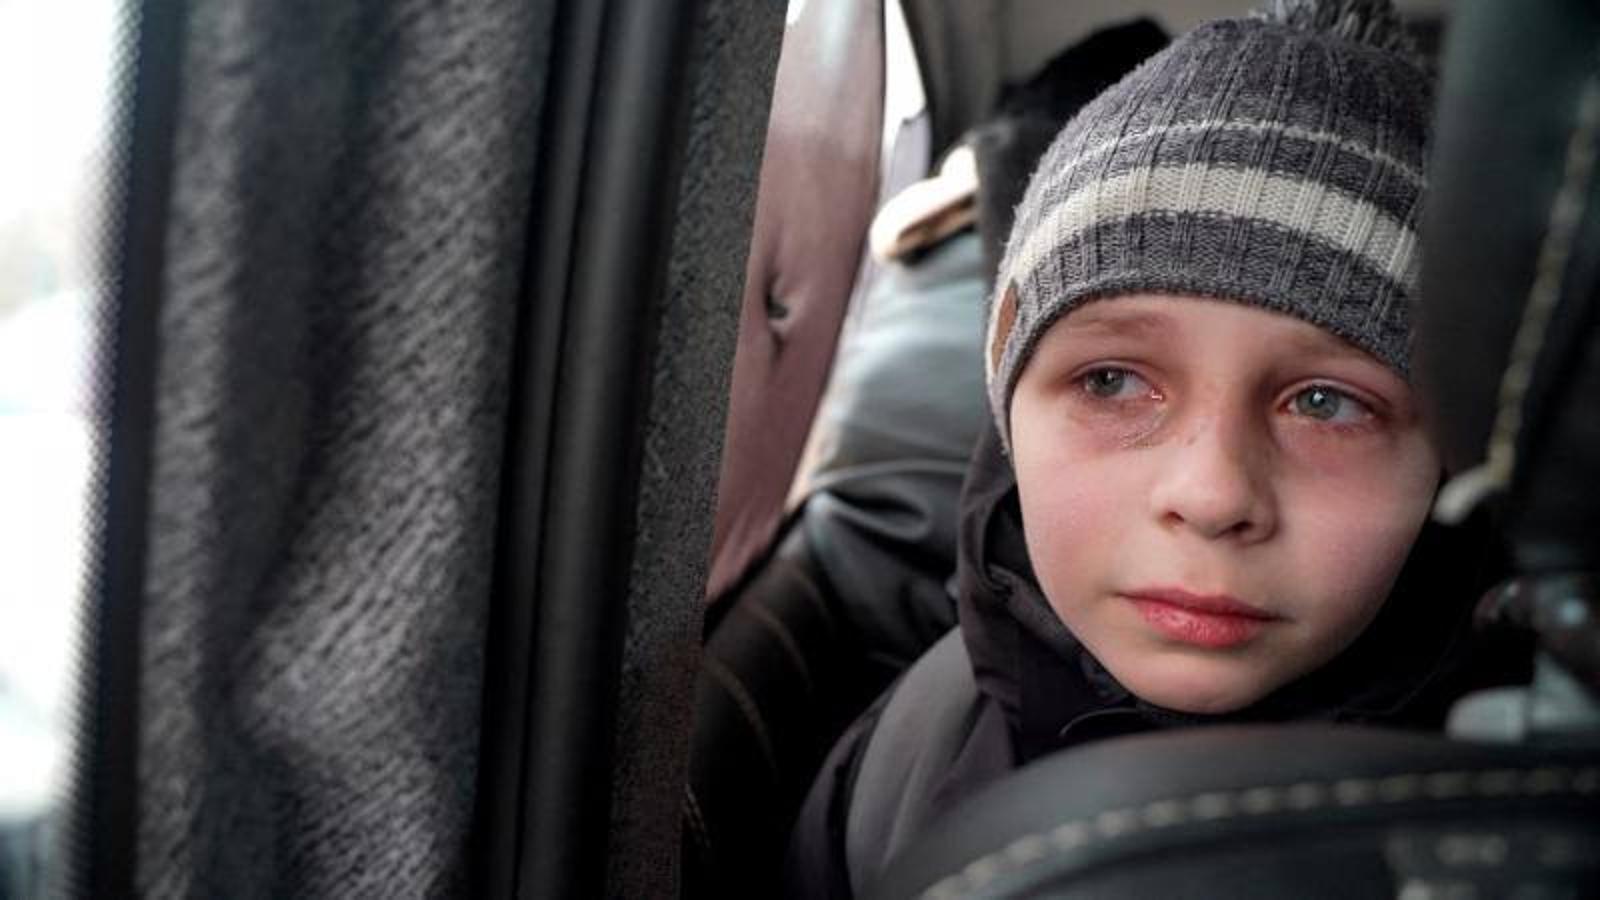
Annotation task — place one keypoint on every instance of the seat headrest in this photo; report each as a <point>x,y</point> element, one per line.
<point>1508,333</point>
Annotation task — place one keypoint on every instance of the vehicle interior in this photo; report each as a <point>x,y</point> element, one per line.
<point>525,436</point>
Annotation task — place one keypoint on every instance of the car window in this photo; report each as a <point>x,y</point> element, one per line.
<point>56,71</point>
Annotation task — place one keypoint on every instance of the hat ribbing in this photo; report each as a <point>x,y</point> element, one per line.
<point>1275,161</point>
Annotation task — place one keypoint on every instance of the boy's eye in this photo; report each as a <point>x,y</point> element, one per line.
<point>1328,404</point>
<point>1111,383</point>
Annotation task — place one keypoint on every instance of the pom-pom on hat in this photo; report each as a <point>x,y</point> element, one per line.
<point>1275,161</point>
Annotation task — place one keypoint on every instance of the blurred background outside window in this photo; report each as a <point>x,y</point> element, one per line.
<point>57,59</point>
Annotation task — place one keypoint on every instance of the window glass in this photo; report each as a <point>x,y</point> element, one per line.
<point>56,70</point>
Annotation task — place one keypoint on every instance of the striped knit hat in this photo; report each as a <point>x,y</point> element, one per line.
<point>1275,161</point>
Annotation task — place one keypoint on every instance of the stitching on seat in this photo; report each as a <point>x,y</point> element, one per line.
<point>747,705</point>
<point>1216,806</point>
<point>780,631</point>
<point>697,820</point>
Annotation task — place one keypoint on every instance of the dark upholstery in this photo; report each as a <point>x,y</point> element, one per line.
<point>779,679</point>
<point>1271,811</point>
<point>856,589</point>
<point>1515,213</point>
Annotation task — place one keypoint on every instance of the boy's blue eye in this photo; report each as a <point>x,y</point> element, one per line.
<point>1109,383</point>
<point>1327,404</point>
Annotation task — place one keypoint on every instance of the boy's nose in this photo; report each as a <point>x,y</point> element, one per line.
<point>1216,482</point>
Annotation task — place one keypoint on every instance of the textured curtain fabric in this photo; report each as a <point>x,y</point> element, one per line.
<point>349,195</point>
<point>344,258</point>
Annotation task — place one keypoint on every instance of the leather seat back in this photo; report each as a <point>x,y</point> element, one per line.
<point>819,189</point>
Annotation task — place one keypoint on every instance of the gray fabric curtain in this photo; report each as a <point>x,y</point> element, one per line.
<point>344,259</point>
<point>349,194</point>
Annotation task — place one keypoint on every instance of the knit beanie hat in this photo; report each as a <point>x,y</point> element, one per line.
<point>1275,161</point>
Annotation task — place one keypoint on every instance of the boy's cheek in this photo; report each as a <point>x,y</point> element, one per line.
<point>1070,504</point>
<point>1079,529</point>
<point>1383,467</point>
<point>1352,552</point>
<point>1361,528</point>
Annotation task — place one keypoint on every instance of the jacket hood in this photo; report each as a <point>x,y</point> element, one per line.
<point>1055,693</point>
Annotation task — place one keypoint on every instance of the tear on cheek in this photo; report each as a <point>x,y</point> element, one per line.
<point>1144,435</point>
<point>1118,429</point>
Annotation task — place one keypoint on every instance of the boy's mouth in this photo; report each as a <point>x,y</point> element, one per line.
<point>1213,621</point>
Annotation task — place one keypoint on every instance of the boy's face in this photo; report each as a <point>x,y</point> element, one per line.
<point>1217,498</point>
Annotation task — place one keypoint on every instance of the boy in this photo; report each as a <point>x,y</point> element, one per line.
<point>1207,469</point>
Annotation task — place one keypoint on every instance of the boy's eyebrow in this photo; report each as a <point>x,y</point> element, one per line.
<point>1319,344</point>
<point>1110,320</point>
<point>1114,321</point>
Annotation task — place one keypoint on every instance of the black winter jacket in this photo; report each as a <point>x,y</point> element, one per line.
<point>1011,684</point>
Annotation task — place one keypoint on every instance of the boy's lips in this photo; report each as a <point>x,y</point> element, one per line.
<point>1204,620</point>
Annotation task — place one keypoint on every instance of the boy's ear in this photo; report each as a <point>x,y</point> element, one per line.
<point>1000,322</point>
